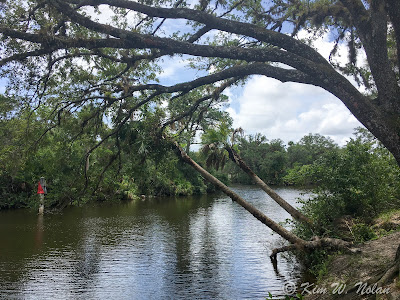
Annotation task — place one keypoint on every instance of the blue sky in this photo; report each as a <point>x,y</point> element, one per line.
<point>3,83</point>
<point>263,105</point>
<point>280,110</point>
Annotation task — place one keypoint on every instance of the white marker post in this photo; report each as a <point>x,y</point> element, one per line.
<point>42,190</point>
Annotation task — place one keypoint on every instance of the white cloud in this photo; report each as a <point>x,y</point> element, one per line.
<point>290,110</point>
<point>172,68</point>
<point>325,46</point>
<point>104,14</point>
<point>279,110</point>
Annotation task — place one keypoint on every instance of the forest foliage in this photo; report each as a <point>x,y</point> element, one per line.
<point>66,54</point>
<point>85,107</point>
<point>140,165</point>
<point>361,174</point>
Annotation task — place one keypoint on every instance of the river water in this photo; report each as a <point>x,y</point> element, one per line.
<point>203,247</point>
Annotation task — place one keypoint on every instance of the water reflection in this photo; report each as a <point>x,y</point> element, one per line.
<point>39,232</point>
<point>194,247</point>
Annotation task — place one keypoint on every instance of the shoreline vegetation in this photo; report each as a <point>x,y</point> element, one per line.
<point>145,169</point>
<point>359,179</point>
<point>351,186</point>
<point>86,107</point>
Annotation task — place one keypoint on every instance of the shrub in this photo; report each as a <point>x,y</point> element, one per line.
<point>361,180</point>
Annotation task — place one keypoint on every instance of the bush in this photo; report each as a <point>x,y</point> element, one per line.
<point>363,232</point>
<point>14,193</point>
<point>300,176</point>
<point>361,180</point>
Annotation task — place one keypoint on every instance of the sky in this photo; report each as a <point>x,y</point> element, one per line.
<point>264,105</point>
<point>287,111</point>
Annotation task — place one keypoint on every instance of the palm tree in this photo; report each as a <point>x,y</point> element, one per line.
<point>218,150</point>
<point>214,142</point>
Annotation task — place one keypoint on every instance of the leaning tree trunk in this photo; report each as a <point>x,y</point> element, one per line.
<point>238,199</point>
<point>296,243</point>
<point>278,199</point>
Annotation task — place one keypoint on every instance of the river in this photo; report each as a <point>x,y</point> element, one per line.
<point>200,247</point>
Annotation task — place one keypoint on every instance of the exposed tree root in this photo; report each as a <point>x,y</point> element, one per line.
<point>381,280</point>
<point>389,275</point>
<point>392,271</point>
<point>315,243</point>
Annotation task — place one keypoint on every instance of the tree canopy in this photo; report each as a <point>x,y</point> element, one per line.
<point>106,54</point>
<point>88,71</point>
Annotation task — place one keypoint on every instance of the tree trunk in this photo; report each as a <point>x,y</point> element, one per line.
<point>296,243</point>
<point>278,199</point>
<point>238,199</point>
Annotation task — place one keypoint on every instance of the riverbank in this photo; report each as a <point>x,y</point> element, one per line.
<point>355,276</point>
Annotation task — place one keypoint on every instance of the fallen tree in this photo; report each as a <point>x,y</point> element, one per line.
<point>296,242</point>
<point>235,157</point>
<point>57,55</point>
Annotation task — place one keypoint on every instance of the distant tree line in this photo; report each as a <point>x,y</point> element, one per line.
<point>277,163</point>
<point>131,164</point>
<point>137,162</point>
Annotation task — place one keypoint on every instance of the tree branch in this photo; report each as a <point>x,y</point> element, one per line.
<point>393,8</point>
<point>295,59</point>
<point>268,36</point>
<point>372,29</point>
<point>196,104</point>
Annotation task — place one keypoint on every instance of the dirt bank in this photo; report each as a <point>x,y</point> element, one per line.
<point>355,275</point>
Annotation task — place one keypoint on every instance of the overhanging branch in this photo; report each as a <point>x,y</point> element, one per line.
<point>268,36</point>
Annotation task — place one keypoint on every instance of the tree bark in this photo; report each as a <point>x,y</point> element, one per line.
<point>379,115</point>
<point>238,199</point>
<point>296,243</point>
<point>278,199</point>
